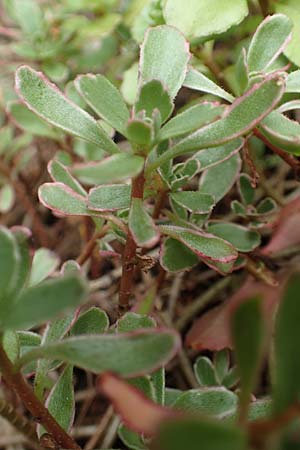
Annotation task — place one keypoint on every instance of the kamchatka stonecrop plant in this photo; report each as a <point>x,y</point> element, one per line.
<point>154,190</point>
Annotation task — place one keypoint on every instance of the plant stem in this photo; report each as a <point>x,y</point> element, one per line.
<point>289,159</point>
<point>89,247</point>
<point>264,6</point>
<point>16,383</point>
<point>129,254</point>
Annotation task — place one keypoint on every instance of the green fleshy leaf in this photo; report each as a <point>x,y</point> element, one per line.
<point>175,434</point>
<point>92,321</point>
<point>129,86</point>
<point>247,192</point>
<point>287,334</point>
<point>202,20</point>
<point>226,173</point>
<point>11,345</point>
<point>206,246</point>
<point>153,96</point>
<point>131,439</point>
<point>104,98</point>
<point>164,57</point>
<point>7,198</point>
<point>61,199</point>
<point>44,302</point>
<point>211,401</point>
<point>132,321</point>
<point>130,355</point>
<point>282,131</point>
<point>110,170</point>
<point>109,197</point>
<point>222,364</point>
<point>242,116</point>
<point>139,132</point>
<point>141,225</point>
<point>29,122</point>
<point>45,100</point>
<point>9,263</point>
<point>194,201</point>
<point>60,402</point>
<point>268,42</point>
<point>266,206</point>
<point>22,274</point>
<point>291,8</point>
<point>242,72</point>
<point>293,82</point>
<point>191,119</point>
<point>61,174</point>
<point>205,372</point>
<point>212,156</point>
<point>198,82</point>
<point>44,263</point>
<point>175,256</point>
<point>243,239</point>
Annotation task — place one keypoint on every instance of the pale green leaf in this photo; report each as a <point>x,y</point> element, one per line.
<point>109,197</point>
<point>44,263</point>
<point>206,18</point>
<point>191,119</point>
<point>141,225</point>
<point>153,96</point>
<point>205,372</point>
<point>61,174</point>
<point>291,8</point>
<point>164,57</point>
<point>44,302</point>
<point>9,264</point>
<point>215,155</point>
<point>198,82</point>
<point>175,256</point>
<point>268,42</point>
<point>226,173</point>
<point>104,98</point>
<point>61,199</point>
<point>194,201</point>
<point>92,321</point>
<point>282,131</point>
<point>243,239</point>
<point>130,355</point>
<point>44,99</point>
<point>7,198</point>
<point>110,170</point>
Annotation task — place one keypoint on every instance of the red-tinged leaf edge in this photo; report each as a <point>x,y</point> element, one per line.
<point>50,171</point>
<point>97,188</point>
<point>138,413</point>
<point>67,189</point>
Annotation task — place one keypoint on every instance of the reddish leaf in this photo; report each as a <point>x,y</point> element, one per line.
<point>136,410</point>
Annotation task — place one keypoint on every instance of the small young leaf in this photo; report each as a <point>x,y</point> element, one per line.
<point>282,131</point>
<point>61,174</point>
<point>92,321</point>
<point>44,99</point>
<point>247,192</point>
<point>164,57</point>
<point>175,256</point>
<point>61,199</point>
<point>215,155</point>
<point>269,40</point>
<point>44,263</point>
<point>139,132</point>
<point>206,246</point>
<point>211,401</point>
<point>226,173</point>
<point>205,372</point>
<point>248,340</point>
<point>153,96</point>
<point>287,335</point>
<point>175,434</point>
<point>243,239</point>
<point>206,18</point>
<point>104,98</point>
<point>242,116</point>
<point>60,402</point>
<point>191,119</point>
<point>141,225</point>
<point>198,82</point>
<point>130,355</point>
<point>29,122</point>
<point>109,170</point>
<point>194,201</point>
<point>109,197</point>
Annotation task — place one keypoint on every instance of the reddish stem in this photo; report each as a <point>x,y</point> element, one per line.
<point>129,254</point>
<point>16,383</point>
